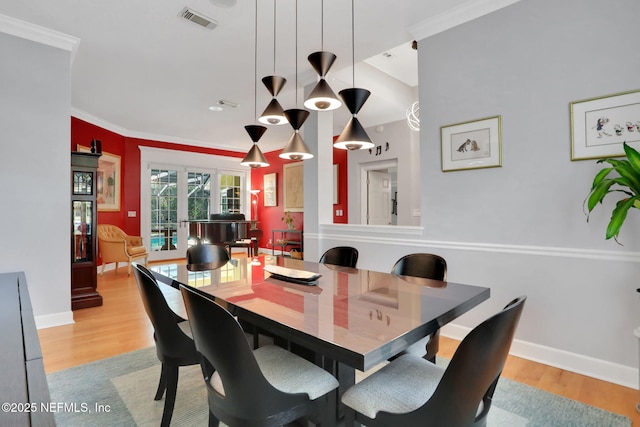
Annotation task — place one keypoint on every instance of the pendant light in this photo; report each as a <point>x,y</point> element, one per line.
<point>322,98</point>
<point>274,113</point>
<point>255,158</point>
<point>296,149</point>
<point>353,136</point>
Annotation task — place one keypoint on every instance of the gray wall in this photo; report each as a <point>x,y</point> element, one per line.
<point>404,146</point>
<point>34,172</point>
<point>526,62</point>
<point>520,229</point>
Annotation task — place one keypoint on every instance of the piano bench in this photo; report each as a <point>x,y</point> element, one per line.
<point>250,244</point>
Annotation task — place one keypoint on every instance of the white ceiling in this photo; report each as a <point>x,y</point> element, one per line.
<point>142,71</point>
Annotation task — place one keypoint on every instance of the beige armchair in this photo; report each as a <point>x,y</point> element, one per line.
<point>116,246</point>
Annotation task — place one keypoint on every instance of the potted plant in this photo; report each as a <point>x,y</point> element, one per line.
<point>288,219</point>
<point>626,182</point>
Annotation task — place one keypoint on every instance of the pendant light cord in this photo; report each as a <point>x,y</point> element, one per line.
<point>321,24</point>
<point>255,67</point>
<point>296,103</point>
<point>274,37</point>
<point>353,49</point>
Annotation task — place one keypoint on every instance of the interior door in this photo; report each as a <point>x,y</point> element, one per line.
<point>378,198</point>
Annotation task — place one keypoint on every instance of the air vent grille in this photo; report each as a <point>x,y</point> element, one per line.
<point>198,18</point>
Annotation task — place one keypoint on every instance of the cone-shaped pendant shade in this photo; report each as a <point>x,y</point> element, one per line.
<point>321,62</point>
<point>322,98</point>
<point>353,137</point>
<point>274,113</point>
<point>255,132</point>
<point>296,149</point>
<point>296,117</point>
<point>274,84</point>
<point>254,157</point>
<point>354,98</point>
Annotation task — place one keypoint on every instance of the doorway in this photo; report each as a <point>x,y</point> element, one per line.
<point>379,190</point>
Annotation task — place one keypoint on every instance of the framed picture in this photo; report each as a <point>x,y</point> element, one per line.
<point>107,180</point>
<point>293,187</point>
<point>270,190</point>
<point>599,126</point>
<point>472,145</point>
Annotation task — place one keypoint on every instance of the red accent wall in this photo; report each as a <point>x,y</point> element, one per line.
<point>127,148</point>
<point>340,159</point>
<point>270,217</point>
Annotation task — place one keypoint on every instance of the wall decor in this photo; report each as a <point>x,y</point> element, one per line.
<point>600,125</point>
<point>107,180</point>
<point>474,144</point>
<point>293,187</point>
<point>270,191</point>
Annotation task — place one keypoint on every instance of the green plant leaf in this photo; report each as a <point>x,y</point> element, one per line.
<point>633,156</point>
<point>600,176</point>
<point>598,193</point>
<point>618,216</point>
<point>624,168</point>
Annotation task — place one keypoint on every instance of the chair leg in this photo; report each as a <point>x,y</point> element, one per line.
<point>170,397</point>
<point>162,385</point>
<point>102,268</point>
<point>432,347</point>
<point>129,268</point>
<point>213,421</point>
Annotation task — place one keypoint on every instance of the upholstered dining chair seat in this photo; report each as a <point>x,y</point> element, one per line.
<point>267,386</point>
<point>398,387</point>
<point>411,391</point>
<point>288,373</point>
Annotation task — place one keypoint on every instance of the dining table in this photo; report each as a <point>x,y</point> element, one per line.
<point>343,319</point>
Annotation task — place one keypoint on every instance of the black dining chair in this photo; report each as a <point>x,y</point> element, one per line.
<point>207,254</point>
<point>171,332</point>
<point>411,391</point>
<point>268,386</point>
<point>344,256</point>
<point>425,266</point>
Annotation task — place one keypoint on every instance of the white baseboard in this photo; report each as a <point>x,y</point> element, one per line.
<point>56,319</point>
<point>611,372</point>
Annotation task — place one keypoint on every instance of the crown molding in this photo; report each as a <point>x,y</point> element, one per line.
<point>89,118</point>
<point>456,16</point>
<point>38,34</point>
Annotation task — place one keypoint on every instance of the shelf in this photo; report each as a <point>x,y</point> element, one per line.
<point>282,243</point>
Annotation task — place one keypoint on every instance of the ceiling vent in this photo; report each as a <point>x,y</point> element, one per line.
<point>197,17</point>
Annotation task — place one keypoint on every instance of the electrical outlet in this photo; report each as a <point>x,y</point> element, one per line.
<point>132,214</point>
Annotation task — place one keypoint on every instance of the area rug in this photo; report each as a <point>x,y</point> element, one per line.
<point>119,392</point>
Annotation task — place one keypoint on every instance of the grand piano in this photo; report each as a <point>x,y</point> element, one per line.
<point>229,229</point>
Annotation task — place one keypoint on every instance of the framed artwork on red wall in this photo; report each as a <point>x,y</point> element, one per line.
<point>293,187</point>
<point>270,192</point>
<point>108,180</point>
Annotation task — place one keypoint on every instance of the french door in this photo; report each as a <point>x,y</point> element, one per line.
<point>176,197</point>
<point>171,196</point>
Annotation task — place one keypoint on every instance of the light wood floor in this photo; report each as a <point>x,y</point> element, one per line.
<point>120,325</point>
